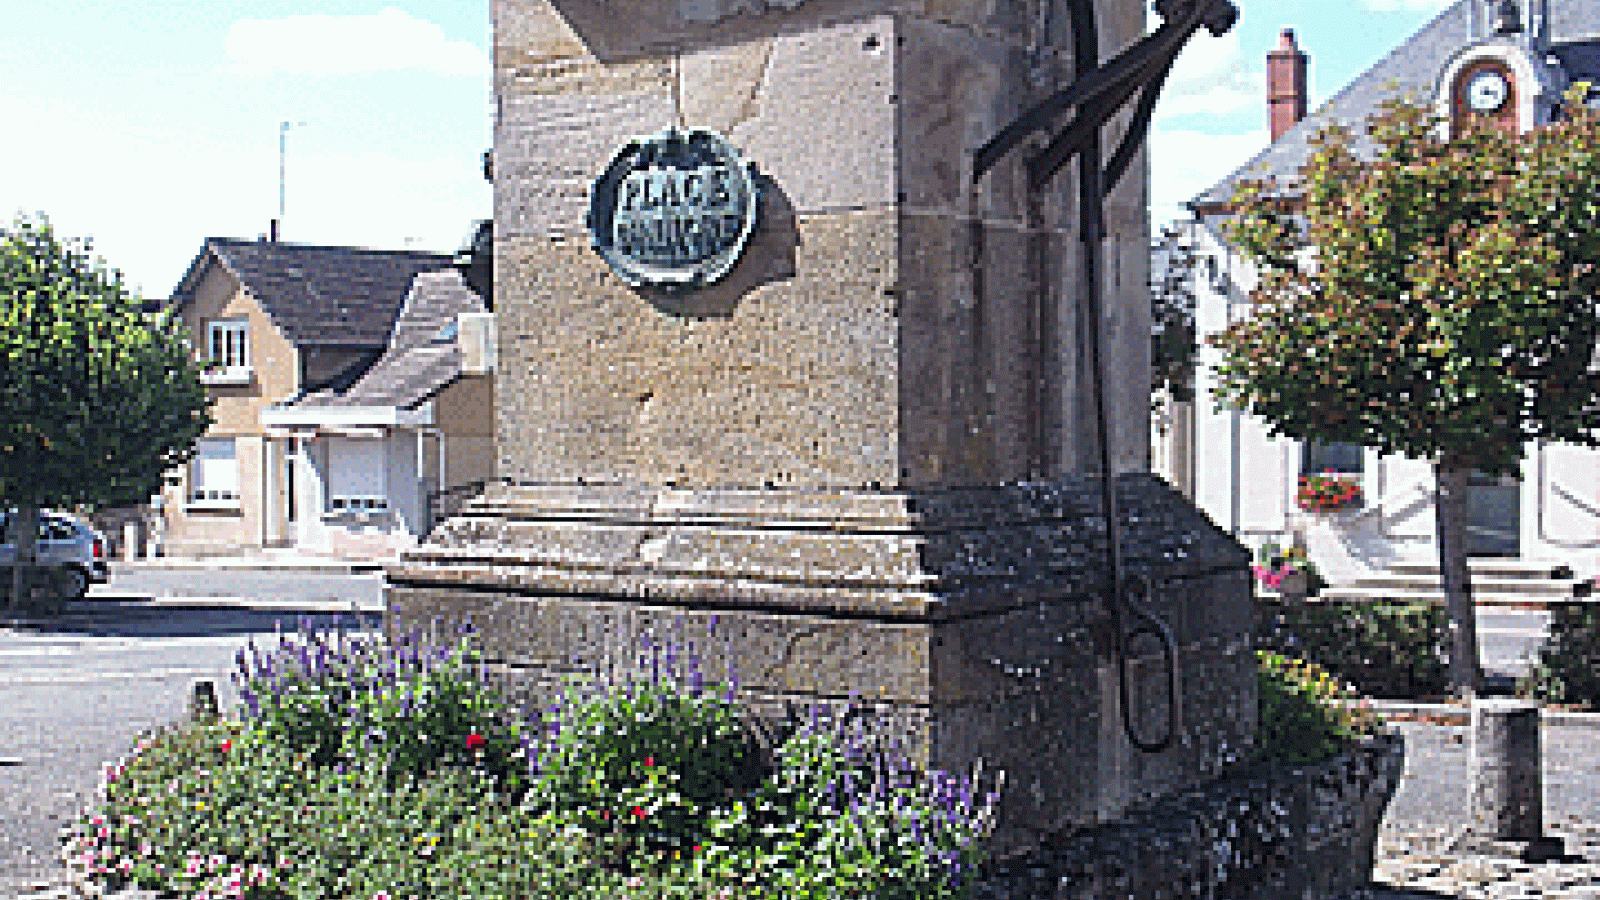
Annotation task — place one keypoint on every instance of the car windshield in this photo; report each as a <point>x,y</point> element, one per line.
<point>51,528</point>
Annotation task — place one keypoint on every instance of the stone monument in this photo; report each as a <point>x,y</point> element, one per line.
<point>769,355</point>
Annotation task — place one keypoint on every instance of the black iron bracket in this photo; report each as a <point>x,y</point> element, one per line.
<point>1096,94</point>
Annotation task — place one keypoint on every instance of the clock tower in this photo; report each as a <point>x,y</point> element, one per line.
<point>1506,72</point>
<point>1486,89</point>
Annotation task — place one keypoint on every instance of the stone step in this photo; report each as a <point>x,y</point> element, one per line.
<point>1503,568</point>
<point>1568,587</point>
<point>1435,596</point>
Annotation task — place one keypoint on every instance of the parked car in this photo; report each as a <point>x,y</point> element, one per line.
<point>73,548</point>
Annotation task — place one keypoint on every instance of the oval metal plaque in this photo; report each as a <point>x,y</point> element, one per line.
<point>674,210</point>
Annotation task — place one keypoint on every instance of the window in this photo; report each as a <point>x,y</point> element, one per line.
<point>356,476</point>
<point>1317,458</point>
<point>229,344</point>
<point>215,474</point>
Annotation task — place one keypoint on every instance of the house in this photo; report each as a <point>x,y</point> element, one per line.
<point>344,404</point>
<point>1507,59</point>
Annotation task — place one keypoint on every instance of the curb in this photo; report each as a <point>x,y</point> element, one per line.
<point>1451,714</point>
<point>111,604</point>
<point>301,564</point>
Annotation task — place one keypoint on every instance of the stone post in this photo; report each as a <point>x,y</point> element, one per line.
<point>1506,799</point>
<point>130,541</point>
<point>203,702</point>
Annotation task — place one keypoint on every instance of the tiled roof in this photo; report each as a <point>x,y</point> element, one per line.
<point>318,296</point>
<point>424,352</point>
<point>1574,21</point>
<point>1412,66</point>
<point>1412,69</point>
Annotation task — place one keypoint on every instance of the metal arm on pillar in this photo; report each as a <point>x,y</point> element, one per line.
<point>1095,95</point>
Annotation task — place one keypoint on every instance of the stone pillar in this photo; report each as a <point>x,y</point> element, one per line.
<point>130,541</point>
<point>854,453</point>
<point>203,708</point>
<point>1507,791</point>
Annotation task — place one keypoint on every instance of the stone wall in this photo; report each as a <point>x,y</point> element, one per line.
<point>1269,832</point>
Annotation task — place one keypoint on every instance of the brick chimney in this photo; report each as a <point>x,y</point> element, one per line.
<point>1286,84</point>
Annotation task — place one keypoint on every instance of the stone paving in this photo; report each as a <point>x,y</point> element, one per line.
<point>1417,863</point>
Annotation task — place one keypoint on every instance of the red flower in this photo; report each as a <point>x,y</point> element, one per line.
<point>638,812</point>
<point>649,760</point>
<point>474,741</point>
<point>226,746</point>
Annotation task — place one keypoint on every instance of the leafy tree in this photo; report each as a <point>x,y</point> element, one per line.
<point>1436,301</point>
<point>1172,328</point>
<point>97,399</point>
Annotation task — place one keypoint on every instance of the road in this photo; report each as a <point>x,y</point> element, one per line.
<point>76,694</point>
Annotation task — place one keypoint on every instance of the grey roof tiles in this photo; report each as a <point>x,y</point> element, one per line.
<point>319,296</point>
<point>424,353</point>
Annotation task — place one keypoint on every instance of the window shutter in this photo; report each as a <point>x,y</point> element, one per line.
<point>216,470</point>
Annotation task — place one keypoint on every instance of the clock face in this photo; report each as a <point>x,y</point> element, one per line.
<point>1487,91</point>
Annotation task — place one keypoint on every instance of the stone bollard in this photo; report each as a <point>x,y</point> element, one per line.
<point>203,702</point>
<point>130,541</point>
<point>1506,801</point>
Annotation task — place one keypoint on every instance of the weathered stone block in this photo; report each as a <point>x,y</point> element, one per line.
<point>971,617</point>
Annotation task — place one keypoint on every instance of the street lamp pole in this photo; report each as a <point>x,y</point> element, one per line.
<point>283,133</point>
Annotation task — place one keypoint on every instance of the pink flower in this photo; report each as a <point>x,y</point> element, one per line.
<point>649,760</point>
<point>1269,577</point>
<point>226,746</point>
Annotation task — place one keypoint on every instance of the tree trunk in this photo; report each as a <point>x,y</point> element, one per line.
<point>23,533</point>
<point>1466,678</point>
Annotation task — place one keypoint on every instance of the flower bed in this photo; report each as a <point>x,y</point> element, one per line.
<point>377,772</point>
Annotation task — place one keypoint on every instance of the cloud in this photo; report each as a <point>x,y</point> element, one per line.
<point>1405,5</point>
<point>385,41</point>
<point>1184,162</point>
<point>1211,77</point>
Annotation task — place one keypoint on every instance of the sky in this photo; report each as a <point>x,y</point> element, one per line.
<point>150,125</point>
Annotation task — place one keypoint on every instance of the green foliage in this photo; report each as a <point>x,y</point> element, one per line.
<point>1448,308</point>
<point>254,809</point>
<point>1173,345</point>
<point>1302,720</point>
<point>1567,668</point>
<point>652,749</point>
<point>97,399</point>
<point>358,702</point>
<point>1390,650</point>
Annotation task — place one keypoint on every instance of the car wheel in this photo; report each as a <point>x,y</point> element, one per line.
<point>74,582</point>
